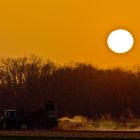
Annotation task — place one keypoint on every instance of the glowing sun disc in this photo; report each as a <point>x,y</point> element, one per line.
<point>120,41</point>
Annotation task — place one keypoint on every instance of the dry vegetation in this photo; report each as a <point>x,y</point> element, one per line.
<point>104,124</point>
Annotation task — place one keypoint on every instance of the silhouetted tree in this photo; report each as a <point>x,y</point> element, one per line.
<point>27,82</point>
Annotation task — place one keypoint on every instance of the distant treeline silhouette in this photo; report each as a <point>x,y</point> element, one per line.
<point>82,89</point>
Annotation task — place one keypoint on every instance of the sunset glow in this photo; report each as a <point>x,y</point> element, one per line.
<point>65,31</point>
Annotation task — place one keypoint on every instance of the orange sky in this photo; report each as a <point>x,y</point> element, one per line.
<point>69,30</point>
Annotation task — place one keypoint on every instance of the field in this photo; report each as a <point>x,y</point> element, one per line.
<point>44,138</point>
<point>70,135</point>
<point>78,128</point>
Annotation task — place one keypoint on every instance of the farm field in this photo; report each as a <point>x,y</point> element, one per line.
<point>44,138</point>
<point>70,135</point>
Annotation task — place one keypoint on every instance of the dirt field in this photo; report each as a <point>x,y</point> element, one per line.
<point>72,134</point>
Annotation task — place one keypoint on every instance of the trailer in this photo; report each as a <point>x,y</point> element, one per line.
<point>13,119</point>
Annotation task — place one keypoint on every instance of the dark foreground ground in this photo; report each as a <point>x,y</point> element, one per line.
<point>45,138</point>
<point>69,135</point>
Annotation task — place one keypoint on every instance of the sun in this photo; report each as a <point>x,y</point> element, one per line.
<point>120,41</point>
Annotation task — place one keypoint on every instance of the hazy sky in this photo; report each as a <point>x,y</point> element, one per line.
<point>65,30</point>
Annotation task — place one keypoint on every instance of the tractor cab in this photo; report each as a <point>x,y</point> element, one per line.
<point>7,118</point>
<point>10,114</point>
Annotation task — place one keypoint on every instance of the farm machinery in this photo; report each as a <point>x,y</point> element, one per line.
<point>13,119</point>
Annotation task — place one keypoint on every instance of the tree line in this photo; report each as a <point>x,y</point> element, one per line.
<point>81,89</point>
